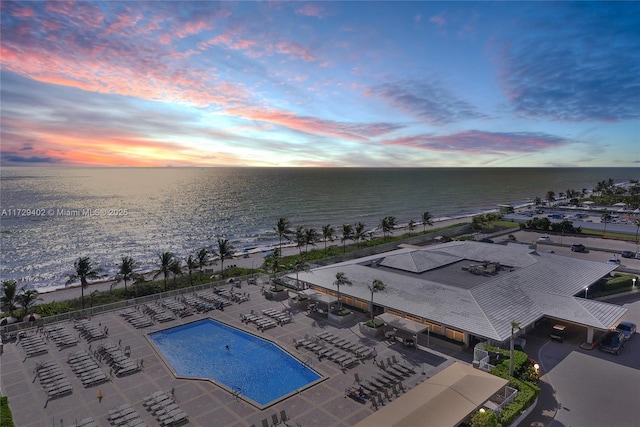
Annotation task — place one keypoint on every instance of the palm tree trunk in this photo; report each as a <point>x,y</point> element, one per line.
<point>83,283</point>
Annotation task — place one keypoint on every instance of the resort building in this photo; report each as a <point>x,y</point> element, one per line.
<point>469,291</point>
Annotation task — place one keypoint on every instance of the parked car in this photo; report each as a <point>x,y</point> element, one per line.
<point>627,329</point>
<point>627,254</point>
<point>485,240</point>
<point>615,261</point>
<point>544,238</point>
<point>612,342</point>
<point>637,255</point>
<point>578,247</point>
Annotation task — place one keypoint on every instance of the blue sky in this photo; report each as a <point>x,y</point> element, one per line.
<point>415,84</point>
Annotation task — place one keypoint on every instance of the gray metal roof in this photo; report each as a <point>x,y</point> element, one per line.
<point>535,285</point>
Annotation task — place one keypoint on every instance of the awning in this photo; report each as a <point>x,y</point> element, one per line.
<point>402,323</point>
<point>319,296</point>
<point>446,399</point>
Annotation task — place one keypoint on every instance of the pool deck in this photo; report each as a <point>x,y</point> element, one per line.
<point>207,404</point>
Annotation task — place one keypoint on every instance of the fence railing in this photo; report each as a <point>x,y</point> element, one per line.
<point>119,305</point>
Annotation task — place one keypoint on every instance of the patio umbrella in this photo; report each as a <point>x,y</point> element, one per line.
<point>7,320</point>
<point>33,317</point>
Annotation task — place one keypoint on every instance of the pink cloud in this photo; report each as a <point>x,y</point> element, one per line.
<point>438,20</point>
<point>313,10</point>
<point>295,50</point>
<point>316,126</point>
<point>23,12</point>
<point>475,142</point>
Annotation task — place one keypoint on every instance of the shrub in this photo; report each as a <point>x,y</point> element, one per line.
<point>376,323</point>
<point>484,419</point>
<point>6,419</point>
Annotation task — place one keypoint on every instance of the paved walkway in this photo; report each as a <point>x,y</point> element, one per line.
<point>205,403</point>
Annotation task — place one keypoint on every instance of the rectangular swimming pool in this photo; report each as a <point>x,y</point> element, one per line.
<point>244,363</point>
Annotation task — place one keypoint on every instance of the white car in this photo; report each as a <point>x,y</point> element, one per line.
<point>544,238</point>
<point>637,255</point>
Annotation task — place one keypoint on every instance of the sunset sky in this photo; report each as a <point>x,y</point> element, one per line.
<point>274,83</point>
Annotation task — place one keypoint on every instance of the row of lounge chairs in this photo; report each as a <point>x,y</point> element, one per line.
<point>85,422</point>
<point>232,296</point>
<point>345,360</point>
<point>262,323</point>
<point>177,307</point>
<point>213,298</point>
<point>361,351</point>
<point>60,336</point>
<point>279,316</point>
<point>158,313</point>
<point>53,379</point>
<point>395,365</point>
<point>378,389</point>
<point>136,318</point>
<point>200,305</point>
<point>89,331</point>
<point>164,409</point>
<point>275,421</point>
<point>117,359</point>
<point>86,368</point>
<point>33,345</point>
<point>125,415</point>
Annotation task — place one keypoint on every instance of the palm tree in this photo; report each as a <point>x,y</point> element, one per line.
<point>300,238</point>
<point>341,279</point>
<point>225,251</point>
<point>126,271</point>
<point>27,298</point>
<point>84,271</point>
<point>375,286</point>
<point>202,258</point>
<point>427,219</point>
<point>387,224</point>
<point>192,263</point>
<point>166,261</point>
<point>359,233</point>
<point>605,218</point>
<point>551,196</point>
<point>283,230</point>
<point>310,237</point>
<point>9,295</point>
<point>347,234</point>
<point>637,224</point>
<point>272,262</point>
<point>300,264</point>
<point>327,233</point>
<point>514,326</point>
<point>176,270</point>
<point>411,226</point>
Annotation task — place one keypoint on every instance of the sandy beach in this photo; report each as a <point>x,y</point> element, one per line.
<point>254,260</point>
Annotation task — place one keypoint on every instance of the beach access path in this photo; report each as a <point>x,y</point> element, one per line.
<point>255,260</point>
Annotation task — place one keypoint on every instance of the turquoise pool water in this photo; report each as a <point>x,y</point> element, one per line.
<point>251,366</point>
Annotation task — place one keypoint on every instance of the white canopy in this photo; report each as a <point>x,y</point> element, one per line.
<point>402,323</point>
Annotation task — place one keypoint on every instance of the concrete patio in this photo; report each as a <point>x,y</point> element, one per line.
<point>206,403</point>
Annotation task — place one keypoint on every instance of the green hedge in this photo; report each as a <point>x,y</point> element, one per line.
<point>6,419</point>
<point>524,381</point>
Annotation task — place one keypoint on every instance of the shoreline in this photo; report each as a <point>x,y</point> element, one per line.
<point>255,260</point>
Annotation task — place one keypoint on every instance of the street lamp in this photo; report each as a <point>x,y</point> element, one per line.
<point>634,283</point>
<point>586,289</point>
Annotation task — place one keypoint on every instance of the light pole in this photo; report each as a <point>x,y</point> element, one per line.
<point>586,289</point>
<point>634,283</point>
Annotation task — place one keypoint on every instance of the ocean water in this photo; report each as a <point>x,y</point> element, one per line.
<point>52,216</point>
